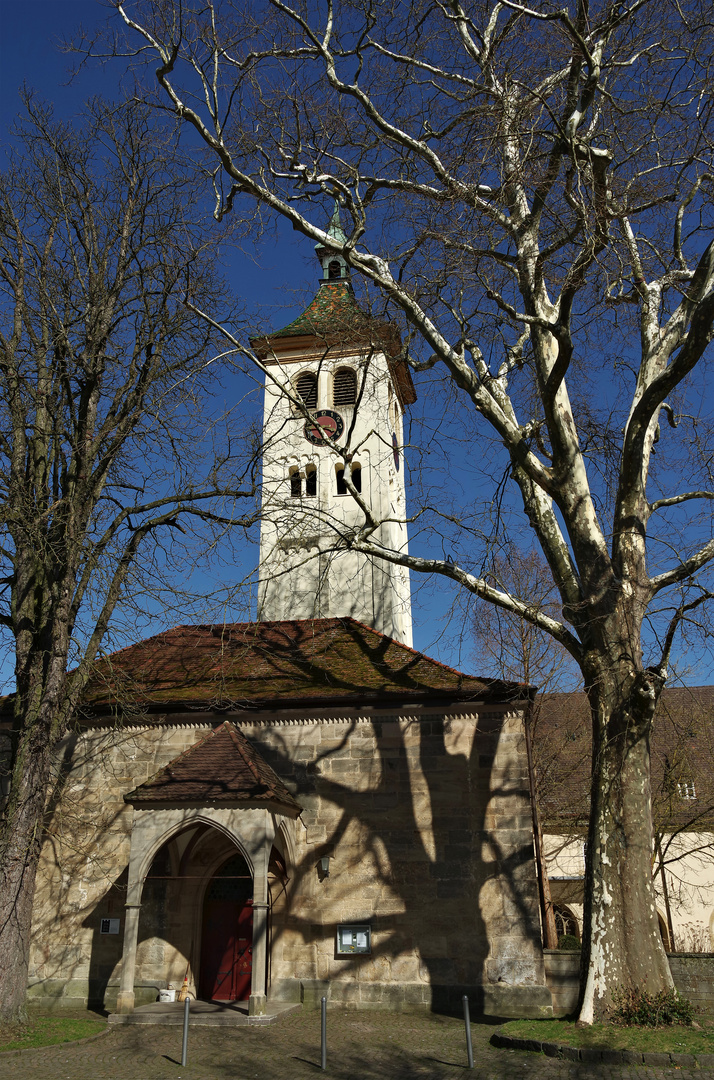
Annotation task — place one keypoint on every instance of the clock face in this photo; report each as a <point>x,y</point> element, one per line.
<point>328,424</point>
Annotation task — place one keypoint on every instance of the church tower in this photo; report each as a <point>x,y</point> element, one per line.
<point>345,368</point>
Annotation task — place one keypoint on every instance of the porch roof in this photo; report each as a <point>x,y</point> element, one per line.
<point>221,767</point>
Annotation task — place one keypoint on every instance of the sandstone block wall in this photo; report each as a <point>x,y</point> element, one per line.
<point>426,820</point>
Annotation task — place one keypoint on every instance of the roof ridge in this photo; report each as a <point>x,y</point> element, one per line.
<point>188,750</point>
<point>233,731</point>
<point>430,659</point>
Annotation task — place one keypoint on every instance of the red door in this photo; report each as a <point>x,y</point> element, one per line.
<point>227,940</point>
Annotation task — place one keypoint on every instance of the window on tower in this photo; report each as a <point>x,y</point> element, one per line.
<point>355,474</point>
<point>357,477</point>
<point>306,387</point>
<point>311,481</point>
<point>344,387</point>
<point>334,270</point>
<point>295,484</point>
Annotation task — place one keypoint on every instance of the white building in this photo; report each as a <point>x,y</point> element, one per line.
<point>336,388</point>
<point>682,756</point>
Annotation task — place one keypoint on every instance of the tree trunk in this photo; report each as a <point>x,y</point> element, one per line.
<point>622,945</point>
<point>20,847</point>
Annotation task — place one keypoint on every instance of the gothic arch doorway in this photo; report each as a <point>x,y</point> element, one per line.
<point>227,934</point>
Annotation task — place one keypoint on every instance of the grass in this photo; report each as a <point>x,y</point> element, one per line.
<point>674,1039</point>
<point>47,1031</point>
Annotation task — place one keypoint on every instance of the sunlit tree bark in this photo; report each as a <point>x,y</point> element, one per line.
<point>528,190</point>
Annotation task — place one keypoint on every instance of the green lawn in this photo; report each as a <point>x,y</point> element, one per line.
<point>677,1038</point>
<point>47,1030</point>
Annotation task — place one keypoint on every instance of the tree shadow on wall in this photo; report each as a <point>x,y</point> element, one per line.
<point>444,822</point>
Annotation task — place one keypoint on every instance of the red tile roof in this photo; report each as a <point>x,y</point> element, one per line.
<point>221,767</point>
<point>279,664</point>
<point>682,748</point>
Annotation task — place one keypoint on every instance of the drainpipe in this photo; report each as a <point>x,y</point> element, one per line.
<point>550,933</point>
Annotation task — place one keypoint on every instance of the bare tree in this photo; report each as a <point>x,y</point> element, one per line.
<point>104,372</point>
<point>527,189</point>
<point>511,647</point>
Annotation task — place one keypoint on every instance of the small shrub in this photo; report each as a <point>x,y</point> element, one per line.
<point>638,1008</point>
<point>568,941</point>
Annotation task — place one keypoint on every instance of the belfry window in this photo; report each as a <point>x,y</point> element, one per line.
<point>334,270</point>
<point>306,387</point>
<point>357,477</point>
<point>344,387</point>
<point>311,481</point>
<point>295,484</point>
<point>355,474</point>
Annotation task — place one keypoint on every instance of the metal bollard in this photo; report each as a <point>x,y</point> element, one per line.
<point>467,1024</point>
<point>184,1045</point>
<point>323,1033</point>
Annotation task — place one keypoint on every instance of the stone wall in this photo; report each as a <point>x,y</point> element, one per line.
<point>693,975</point>
<point>425,818</point>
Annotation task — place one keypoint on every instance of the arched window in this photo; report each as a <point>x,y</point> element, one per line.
<point>334,270</point>
<point>357,477</point>
<point>295,484</point>
<point>306,387</point>
<point>565,922</point>
<point>311,481</point>
<point>344,387</point>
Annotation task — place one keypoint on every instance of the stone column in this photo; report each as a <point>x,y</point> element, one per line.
<point>261,856</point>
<point>125,997</point>
<point>258,997</point>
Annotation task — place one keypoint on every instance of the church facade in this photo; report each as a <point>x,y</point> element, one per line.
<point>303,805</point>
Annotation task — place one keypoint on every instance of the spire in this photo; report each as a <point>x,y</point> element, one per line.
<point>334,267</point>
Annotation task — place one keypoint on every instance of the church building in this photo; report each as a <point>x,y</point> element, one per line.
<point>303,805</point>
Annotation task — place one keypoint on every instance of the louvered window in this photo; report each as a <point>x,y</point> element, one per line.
<point>311,481</point>
<point>295,484</point>
<point>345,387</point>
<point>306,387</point>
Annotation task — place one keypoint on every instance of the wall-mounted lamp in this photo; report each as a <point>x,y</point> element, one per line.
<point>324,866</point>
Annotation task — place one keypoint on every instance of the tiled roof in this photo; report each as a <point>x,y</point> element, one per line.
<point>279,664</point>
<point>682,749</point>
<point>333,312</point>
<point>335,317</point>
<point>221,767</point>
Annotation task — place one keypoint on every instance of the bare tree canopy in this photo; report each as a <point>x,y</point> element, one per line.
<point>103,376</point>
<point>528,191</point>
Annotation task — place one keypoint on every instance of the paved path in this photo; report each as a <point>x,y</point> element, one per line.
<point>361,1046</point>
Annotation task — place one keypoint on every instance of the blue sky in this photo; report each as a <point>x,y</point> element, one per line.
<point>273,288</point>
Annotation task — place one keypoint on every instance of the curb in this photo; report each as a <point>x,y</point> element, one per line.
<point>592,1055</point>
<point>53,1046</point>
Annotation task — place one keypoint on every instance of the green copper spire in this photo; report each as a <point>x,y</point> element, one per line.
<point>334,267</point>
<point>334,229</point>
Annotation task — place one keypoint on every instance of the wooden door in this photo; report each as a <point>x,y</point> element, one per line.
<point>227,939</point>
